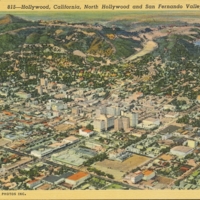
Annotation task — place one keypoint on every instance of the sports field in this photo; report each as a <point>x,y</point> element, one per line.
<point>117,168</point>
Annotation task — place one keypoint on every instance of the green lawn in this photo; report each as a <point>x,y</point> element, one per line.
<point>195,173</point>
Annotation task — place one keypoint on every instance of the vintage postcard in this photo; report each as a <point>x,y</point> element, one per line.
<point>99,99</point>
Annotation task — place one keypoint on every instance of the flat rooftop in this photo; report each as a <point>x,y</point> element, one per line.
<point>78,176</point>
<point>182,149</point>
<point>169,129</point>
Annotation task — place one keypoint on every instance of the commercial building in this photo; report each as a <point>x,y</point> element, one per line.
<point>70,140</point>
<point>181,151</point>
<point>101,111</point>
<point>125,123</point>
<point>57,145</point>
<point>151,121</point>
<point>41,152</point>
<point>113,110</point>
<point>122,123</point>
<point>103,123</point>
<point>148,174</point>
<point>33,183</point>
<point>108,110</point>
<point>94,145</point>
<point>118,124</point>
<point>74,156</point>
<point>99,125</point>
<point>85,132</point>
<point>134,177</point>
<point>139,133</point>
<point>85,152</point>
<point>110,122</point>
<point>166,136</point>
<point>133,116</point>
<point>170,129</point>
<point>115,153</point>
<point>57,179</point>
<point>77,179</point>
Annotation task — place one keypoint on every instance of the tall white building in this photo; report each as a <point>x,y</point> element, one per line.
<point>125,123</point>
<point>103,123</point>
<point>99,125</point>
<point>118,124</point>
<point>108,110</point>
<point>110,122</point>
<point>121,123</point>
<point>101,111</point>
<point>113,110</point>
<point>133,118</point>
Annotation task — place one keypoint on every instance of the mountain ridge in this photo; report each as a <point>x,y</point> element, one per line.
<point>8,19</point>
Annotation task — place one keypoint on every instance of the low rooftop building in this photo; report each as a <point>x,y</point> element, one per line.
<point>70,139</point>
<point>85,132</point>
<point>181,151</point>
<point>77,179</point>
<point>148,174</point>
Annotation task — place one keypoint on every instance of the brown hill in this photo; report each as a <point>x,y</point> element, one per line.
<point>7,19</point>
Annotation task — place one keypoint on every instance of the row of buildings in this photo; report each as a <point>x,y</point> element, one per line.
<point>139,175</point>
<point>70,179</point>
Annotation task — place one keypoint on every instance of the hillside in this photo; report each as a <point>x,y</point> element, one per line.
<point>172,65</point>
<point>96,40</point>
<point>11,22</point>
<point>7,19</point>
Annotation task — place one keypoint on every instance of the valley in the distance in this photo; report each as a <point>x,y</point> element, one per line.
<point>90,104</point>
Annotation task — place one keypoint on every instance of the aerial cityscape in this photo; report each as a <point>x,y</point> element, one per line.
<point>100,101</point>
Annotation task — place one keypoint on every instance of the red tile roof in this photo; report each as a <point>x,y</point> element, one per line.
<point>77,176</point>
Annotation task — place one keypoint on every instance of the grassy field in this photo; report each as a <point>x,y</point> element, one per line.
<point>126,165</point>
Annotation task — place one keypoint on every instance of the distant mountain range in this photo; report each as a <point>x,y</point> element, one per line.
<point>8,19</point>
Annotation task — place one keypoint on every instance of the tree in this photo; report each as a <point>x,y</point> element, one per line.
<point>177,183</point>
<point>110,176</point>
<point>90,127</point>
